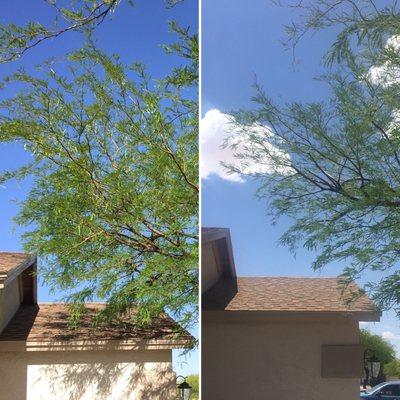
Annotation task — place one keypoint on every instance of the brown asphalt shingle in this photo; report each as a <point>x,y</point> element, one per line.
<point>10,261</point>
<point>49,322</point>
<point>278,294</point>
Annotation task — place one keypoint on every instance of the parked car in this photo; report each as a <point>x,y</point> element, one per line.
<point>383,391</point>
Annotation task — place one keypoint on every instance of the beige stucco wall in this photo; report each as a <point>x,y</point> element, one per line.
<point>257,358</point>
<point>87,375</point>
<point>10,300</point>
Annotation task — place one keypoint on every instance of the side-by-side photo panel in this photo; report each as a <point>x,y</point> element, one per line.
<point>200,211</point>
<point>99,200</point>
<point>299,169</point>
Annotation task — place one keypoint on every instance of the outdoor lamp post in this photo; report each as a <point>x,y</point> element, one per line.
<point>372,367</point>
<point>184,388</point>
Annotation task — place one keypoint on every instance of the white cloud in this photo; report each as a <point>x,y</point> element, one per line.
<point>394,42</point>
<point>387,74</point>
<point>394,123</point>
<point>215,128</point>
<point>390,335</point>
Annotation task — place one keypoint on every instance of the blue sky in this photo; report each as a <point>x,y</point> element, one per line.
<point>240,41</point>
<point>136,35</point>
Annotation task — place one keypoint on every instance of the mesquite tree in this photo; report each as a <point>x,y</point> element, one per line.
<point>334,166</point>
<point>112,212</point>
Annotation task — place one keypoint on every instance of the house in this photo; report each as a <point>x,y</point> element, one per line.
<point>277,337</point>
<point>42,358</point>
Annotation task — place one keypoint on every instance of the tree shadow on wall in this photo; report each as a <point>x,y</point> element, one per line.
<point>125,379</point>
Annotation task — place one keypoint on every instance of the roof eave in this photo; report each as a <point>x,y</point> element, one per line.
<point>88,345</point>
<point>357,315</point>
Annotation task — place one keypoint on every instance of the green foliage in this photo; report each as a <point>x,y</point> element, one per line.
<point>187,47</point>
<point>334,166</point>
<point>193,381</point>
<point>392,368</point>
<point>113,208</point>
<point>69,16</point>
<point>375,344</point>
<point>81,15</point>
<point>363,23</point>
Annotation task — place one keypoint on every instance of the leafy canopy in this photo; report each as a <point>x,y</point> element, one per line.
<point>354,23</point>
<point>334,166</point>
<point>376,345</point>
<point>392,368</point>
<point>113,206</point>
<point>68,16</point>
<point>193,381</point>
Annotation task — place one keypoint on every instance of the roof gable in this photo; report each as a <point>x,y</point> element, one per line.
<point>12,265</point>
<point>217,256</point>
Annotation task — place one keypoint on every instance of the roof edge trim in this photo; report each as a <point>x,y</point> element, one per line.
<point>75,345</point>
<point>365,316</point>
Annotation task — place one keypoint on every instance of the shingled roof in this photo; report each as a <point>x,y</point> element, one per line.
<point>48,324</point>
<point>12,264</point>
<point>287,294</point>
